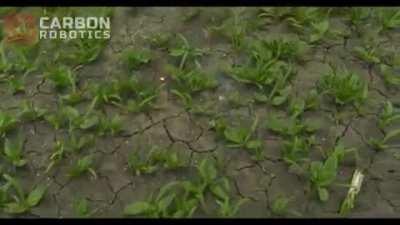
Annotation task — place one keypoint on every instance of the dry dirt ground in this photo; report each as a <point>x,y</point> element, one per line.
<point>170,125</point>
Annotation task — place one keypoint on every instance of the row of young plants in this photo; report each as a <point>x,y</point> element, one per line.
<point>269,68</point>
<point>19,63</point>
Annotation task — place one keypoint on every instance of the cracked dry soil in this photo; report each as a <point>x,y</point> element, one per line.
<point>171,125</point>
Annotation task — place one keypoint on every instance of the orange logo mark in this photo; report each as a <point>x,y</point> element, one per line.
<point>20,28</point>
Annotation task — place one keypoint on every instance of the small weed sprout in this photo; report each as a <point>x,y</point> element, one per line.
<point>13,152</point>
<point>344,87</point>
<point>135,58</point>
<point>22,202</point>
<point>7,123</point>
<point>82,166</point>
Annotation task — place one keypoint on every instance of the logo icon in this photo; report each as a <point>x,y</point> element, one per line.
<point>21,28</point>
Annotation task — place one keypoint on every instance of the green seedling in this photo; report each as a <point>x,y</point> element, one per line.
<point>389,18</point>
<point>262,70</point>
<point>57,156</point>
<point>186,52</point>
<point>345,87</point>
<point>367,54</point>
<point>166,158</point>
<point>112,126</point>
<point>381,144</point>
<point>319,30</point>
<point>139,165</point>
<point>65,116</point>
<point>358,15</point>
<point>156,207</point>
<point>191,81</point>
<point>280,96</point>
<point>207,171</point>
<point>169,159</point>
<point>80,51</point>
<point>13,152</point>
<point>18,59</point>
<point>5,65</point>
<point>7,123</point>
<point>236,99</point>
<point>181,199</point>
<point>218,186</point>
<point>185,98</point>
<point>298,17</point>
<point>235,27</point>
<point>28,112</point>
<point>229,209</point>
<point>262,75</point>
<point>88,121</point>
<point>78,143</point>
<point>81,207</point>
<point>286,49</point>
<point>296,107</point>
<point>312,100</point>
<point>87,50</point>
<point>135,58</point>
<point>22,202</point>
<point>62,77</point>
<point>104,93</point>
<point>139,96</point>
<point>190,14</point>
<point>279,206</point>
<point>265,71</point>
<point>73,98</point>
<point>82,166</point>
<point>389,75</point>
<point>69,117</point>
<point>16,85</point>
<point>297,149</point>
<point>160,40</point>
<point>243,137</point>
<point>340,151</point>
<point>388,115</point>
<point>290,127</point>
<point>174,200</point>
<point>275,13</point>
<point>323,174</point>
<point>157,158</point>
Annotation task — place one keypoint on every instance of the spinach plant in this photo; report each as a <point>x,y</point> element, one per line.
<point>7,123</point>
<point>186,52</point>
<point>82,166</point>
<point>344,87</point>
<point>135,58</point>
<point>13,152</point>
<point>323,174</point>
<point>22,202</point>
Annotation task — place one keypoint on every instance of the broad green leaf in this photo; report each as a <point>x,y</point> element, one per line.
<point>36,195</point>
<point>390,135</point>
<point>323,194</point>
<point>329,171</point>
<point>177,52</point>
<point>137,208</point>
<point>15,208</point>
<point>236,135</point>
<point>81,207</point>
<point>219,191</point>
<point>279,100</point>
<point>254,144</point>
<point>207,170</point>
<point>280,206</point>
<point>165,202</point>
<point>89,122</point>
